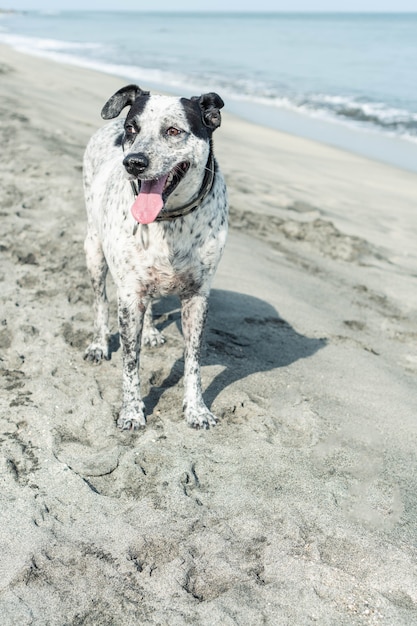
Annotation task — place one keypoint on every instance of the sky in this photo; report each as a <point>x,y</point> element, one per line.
<point>215,5</point>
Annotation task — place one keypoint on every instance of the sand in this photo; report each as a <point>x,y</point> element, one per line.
<point>300,507</point>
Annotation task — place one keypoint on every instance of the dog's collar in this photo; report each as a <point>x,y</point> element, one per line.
<point>186,209</point>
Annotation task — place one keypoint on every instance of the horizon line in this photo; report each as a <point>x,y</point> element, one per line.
<point>240,11</point>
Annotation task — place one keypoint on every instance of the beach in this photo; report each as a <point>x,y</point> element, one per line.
<point>300,506</point>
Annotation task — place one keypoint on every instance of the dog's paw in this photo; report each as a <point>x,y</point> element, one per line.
<point>200,417</point>
<point>132,417</point>
<point>96,353</point>
<point>152,337</point>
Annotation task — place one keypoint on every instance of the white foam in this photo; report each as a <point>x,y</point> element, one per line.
<point>347,111</point>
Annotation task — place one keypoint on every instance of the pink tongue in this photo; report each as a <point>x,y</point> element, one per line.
<point>149,202</point>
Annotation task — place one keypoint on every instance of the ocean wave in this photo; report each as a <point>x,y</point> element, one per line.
<point>348,110</point>
<point>378,114</point>
<point>35,45</point>
<point>371,117</point>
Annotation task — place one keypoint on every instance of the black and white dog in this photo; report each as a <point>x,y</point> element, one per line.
<point>157,217</point>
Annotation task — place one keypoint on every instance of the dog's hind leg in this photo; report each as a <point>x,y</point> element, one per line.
<point>151,336</point>
<point>131,316</point>
<point>194,314</point>
<point>97,267</point>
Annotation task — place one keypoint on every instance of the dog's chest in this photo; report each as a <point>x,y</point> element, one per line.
<point>173,270</point>
<point>171,263</point>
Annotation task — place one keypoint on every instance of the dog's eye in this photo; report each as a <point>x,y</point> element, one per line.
<point>173,132</point>
<point>130,129</point>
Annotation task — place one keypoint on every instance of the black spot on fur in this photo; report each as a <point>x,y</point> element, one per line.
<point>119,141</point>
<point>136,109</point>
<point>194,118</point>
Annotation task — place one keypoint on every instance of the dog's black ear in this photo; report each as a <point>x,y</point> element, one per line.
<point>210,105</point>
<point>122,98</point>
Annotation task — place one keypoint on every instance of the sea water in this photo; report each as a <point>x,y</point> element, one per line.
<point>343,79</point>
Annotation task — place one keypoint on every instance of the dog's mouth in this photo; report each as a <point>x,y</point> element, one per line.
<point>174,178</point>
<point>154,193</point>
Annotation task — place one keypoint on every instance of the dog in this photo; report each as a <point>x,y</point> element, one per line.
<point>157,215</point>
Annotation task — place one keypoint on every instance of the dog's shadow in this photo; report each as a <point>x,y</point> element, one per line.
<point>243,334</point>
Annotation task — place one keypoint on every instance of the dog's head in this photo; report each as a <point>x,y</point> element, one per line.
<point>166,139</point>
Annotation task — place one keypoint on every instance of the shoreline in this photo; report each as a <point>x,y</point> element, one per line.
<point>299,507</point>
<point>365,142</point>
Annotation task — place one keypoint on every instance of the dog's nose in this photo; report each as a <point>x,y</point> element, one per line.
<point>136,163</point>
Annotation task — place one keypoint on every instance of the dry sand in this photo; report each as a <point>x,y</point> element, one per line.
<point>300,506</point>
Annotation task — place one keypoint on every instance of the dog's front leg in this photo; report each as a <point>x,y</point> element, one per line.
<point>194,314</point>
<point>97,267</point>
<point>131,314</point>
